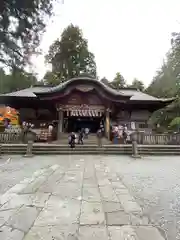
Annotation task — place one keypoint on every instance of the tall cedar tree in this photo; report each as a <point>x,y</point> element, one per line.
<point>70,56</point>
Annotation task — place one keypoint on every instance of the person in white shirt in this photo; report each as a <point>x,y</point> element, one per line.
<point>50,131</point>
<point>86,132</point>
<point>50,128</point>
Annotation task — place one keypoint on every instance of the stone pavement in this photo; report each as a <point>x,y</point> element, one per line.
<point>81,200</point>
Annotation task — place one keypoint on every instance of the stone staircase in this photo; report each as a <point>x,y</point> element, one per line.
<point>161,150</point>
<point>50,149</point>
<point>91,140</point>
<point>45,149</point>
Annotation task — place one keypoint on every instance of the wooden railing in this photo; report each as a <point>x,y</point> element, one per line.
<point>158,139</point>
<point>10,137</point>
<point>17,137</point>
<point>142,138</point>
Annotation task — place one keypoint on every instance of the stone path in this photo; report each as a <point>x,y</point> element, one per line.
<point>84,201</point>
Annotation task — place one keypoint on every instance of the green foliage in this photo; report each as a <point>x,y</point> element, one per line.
<point>164,83</point>
<point>70,56</point>
<point>138,85</point>
<point>164,116</point>
<point>51,78</point>
<point>21,23</point>
<point>118,82</point>
<point>160,117</point>
<point>175,123</point>
<point>16,80</point>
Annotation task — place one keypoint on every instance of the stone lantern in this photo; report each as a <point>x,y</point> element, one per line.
<point>134,138</point>
<point>30,137</point>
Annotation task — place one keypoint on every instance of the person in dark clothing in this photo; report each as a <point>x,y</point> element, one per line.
<point>72,140</point>
<point>80,137</point>
<point>99,137</point>
<point>124,136</point>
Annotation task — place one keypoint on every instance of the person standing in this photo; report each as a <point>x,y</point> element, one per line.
<point>125,134</point>
<point>72,140</point>
<point>99,137</point>
<point>50,132</point>
<point>80,137</point>
<point>116,135</point>
<point>86,132</point>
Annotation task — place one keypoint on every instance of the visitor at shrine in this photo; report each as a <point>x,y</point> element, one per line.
<point>99,137</point>
<point>50,132</point>
<point>125,134</point>
<point>72,140</point>
<point>115,135</point>
<point>80,137</point>
<point>86,132</point>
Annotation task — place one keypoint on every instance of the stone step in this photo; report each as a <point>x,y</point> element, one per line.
<point>89,149</point>
<point>91,152</point>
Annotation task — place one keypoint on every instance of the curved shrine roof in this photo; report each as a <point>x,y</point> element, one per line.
<point>132,94</point>
<point>82,80</point>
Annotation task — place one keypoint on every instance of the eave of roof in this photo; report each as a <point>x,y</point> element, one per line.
<point>62,86</point>
<point>131,94</point>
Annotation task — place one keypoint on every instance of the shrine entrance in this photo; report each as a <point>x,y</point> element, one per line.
<point>83,116</point>
<point>74,124</point>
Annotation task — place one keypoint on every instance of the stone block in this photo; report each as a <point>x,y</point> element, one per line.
<point>68,232</point>
<point>138,220</point>
<point>131,207</point>
<point>24,218</point>
<point>90,183</point>
<point>118,218</point>
<point>111,207</point>
<point>108,194</point>
<point>118,185</point>
<point>73,177</point>
<point>148,233</point>
<point>91,214</point>
<point>92,233</point>
<point>34,186</point>
<point>38,199</point>
<point>91,194</point>
<point>17,188</point>
<point>16,202</point>
<point>59,212</point>
<point>122,191</point>
<point>103,182</point>
<point>125,197</point>
<point>6,197</point>
<point>7,233</point>
<point>5,215</point>
<point>67,191</point>
<point>123,233</point>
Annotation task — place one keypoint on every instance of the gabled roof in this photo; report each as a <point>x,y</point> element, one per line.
<point>138,96</point>
<point>132,94</point>
<point>28,92</point>
<point>82,80</point>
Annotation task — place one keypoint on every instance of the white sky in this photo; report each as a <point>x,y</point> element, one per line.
<point>127,36</point>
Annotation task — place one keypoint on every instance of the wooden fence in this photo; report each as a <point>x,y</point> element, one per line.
<point>142,138</point>
<point>10,137</point>
<point>17,137</point>
<point>158,139</point>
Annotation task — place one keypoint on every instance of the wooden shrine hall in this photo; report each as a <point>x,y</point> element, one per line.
<point>83,102</point>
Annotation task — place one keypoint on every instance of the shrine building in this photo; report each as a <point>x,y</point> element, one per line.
<point>83,102</point>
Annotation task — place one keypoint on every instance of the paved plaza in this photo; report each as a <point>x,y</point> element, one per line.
<point>89,198</point>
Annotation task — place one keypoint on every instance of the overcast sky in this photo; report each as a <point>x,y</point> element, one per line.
<point>127,36</point>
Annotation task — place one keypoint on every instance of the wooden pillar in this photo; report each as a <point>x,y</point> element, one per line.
<point>107,124</point>
<point>60,123</point>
